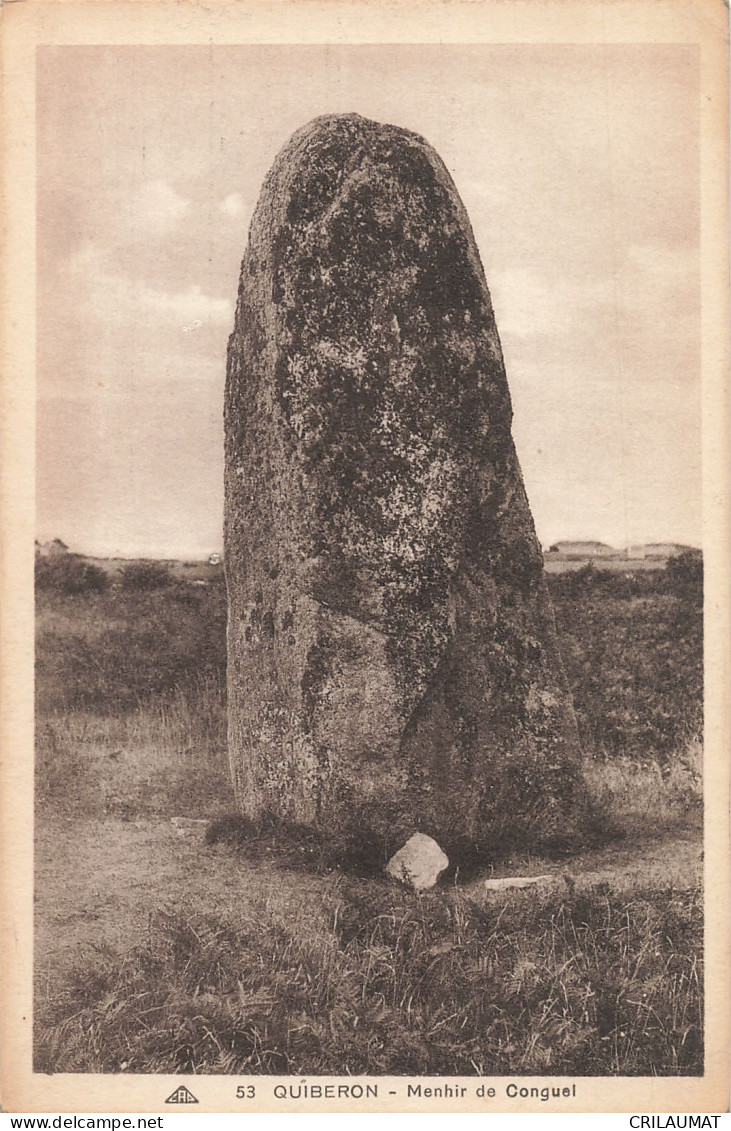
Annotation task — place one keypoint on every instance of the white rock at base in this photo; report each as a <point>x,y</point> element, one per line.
<point>420,862</point>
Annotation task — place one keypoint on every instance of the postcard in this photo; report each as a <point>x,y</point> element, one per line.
<point>365,557</point>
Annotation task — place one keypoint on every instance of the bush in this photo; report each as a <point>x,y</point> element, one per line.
<point>590,580</point>
<point>125,648</point>
<point>633,652</point>
<point>142,576</point>
<point>69,574</point>
<point>684,577</point>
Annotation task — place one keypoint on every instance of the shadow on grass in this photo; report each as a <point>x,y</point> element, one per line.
<point>363,851</point>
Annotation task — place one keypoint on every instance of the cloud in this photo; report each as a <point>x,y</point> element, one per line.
<point>155,208</point>
<point>528,305</point>
<point>188,306</point>
<point>232,205</point>
<point>122,301</point>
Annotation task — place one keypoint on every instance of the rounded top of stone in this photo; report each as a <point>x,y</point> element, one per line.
<point>356,147</point>
<point>357,127</point>
<point>351,117</point>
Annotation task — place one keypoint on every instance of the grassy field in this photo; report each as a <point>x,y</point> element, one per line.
<point>159,952</point>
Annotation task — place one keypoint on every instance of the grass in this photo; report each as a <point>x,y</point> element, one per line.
<point>354,975</point>
<point>645,799</point>
<point>650,796</point>
<point>385,982</point>
<point>165,757</point>
<point>112,652</point>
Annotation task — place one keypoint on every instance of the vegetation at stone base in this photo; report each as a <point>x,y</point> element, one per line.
<point>631,797</point>
<point>387,982</point>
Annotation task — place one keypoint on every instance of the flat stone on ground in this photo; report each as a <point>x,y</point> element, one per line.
<point>505,883</point>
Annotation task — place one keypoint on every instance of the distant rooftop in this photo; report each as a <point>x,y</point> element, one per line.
<point>590,548</point>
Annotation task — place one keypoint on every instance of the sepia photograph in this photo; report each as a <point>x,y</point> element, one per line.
<point>370,529</point>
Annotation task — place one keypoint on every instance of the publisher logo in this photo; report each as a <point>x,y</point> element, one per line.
<point>181,1095</point>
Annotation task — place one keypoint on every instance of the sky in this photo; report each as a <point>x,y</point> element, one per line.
<point>579,169</point>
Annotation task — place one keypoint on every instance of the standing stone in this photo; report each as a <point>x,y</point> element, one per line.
<point>393,663</point>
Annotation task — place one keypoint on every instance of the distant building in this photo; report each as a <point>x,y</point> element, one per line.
<point>582,550</point>
<point>52,549</point>
<point>215,559</point>
<point>667,549</point>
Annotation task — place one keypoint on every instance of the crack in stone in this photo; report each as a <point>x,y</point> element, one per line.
<point>358,618</point>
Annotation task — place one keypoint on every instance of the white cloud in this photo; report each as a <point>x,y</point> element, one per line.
<point>190,305</point>
<point>122,301</point>
<point>232,205</point>
<point>155,208</point>
<point>528,305</point>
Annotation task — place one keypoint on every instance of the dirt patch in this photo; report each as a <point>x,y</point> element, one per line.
<point>99,881</point>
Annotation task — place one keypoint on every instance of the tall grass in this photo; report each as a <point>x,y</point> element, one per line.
<point>167,756</point>
<point>384,982</point>
<point>646,795</point>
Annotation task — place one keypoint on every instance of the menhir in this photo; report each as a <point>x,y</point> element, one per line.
<point>393,661</point>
